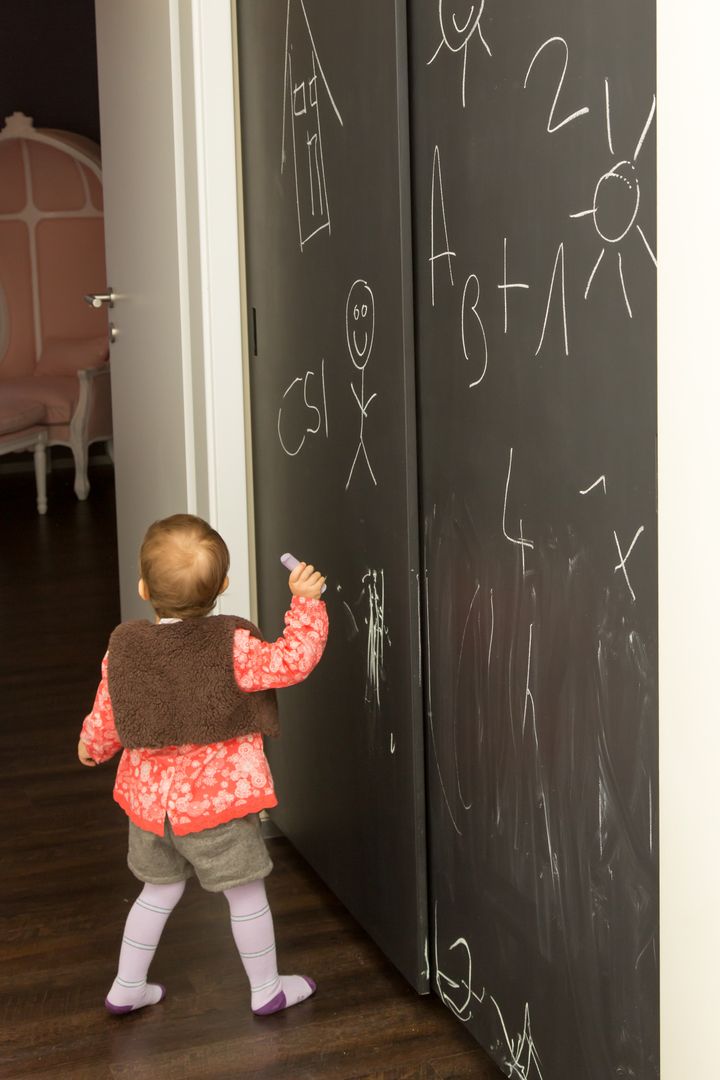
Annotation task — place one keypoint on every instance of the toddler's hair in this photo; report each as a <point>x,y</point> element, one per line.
<point>184,563</point>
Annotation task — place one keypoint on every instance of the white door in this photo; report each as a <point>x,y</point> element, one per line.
<point>145,222</point>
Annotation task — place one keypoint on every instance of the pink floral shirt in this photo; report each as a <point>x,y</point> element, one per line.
<point>198,787</point>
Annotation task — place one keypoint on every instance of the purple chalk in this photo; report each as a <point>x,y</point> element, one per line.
<point>290,562</point>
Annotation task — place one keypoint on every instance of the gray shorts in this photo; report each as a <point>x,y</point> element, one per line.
<point>228,855</point>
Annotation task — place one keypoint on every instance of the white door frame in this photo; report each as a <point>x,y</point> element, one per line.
<point>215,385</point>
<point>689,524</point>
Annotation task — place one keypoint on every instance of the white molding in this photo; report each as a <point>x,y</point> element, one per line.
<point>249,481</point>
<point>32,238</point>
<point>689,524</point>
<point>181,208</point>
<point>20,126</point>
<point>222,332</point>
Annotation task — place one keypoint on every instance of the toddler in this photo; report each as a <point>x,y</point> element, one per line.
<point>189,699</point>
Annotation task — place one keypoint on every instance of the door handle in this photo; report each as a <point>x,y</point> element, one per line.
<point>97,300</point>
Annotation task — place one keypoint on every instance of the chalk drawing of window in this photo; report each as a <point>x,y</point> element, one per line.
<point>302,133</point>
<point>299,106</point>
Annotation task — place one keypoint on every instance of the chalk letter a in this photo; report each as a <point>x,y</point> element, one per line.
<point>447,253</point>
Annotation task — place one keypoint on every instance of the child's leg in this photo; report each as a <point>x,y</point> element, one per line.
<point>252,928</point>
<point>143,928</point>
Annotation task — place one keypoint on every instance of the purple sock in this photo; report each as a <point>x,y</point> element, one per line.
<point>252,928</point>
<point>145,923</point>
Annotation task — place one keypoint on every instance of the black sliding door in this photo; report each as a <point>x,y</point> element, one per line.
<point>323,100</point>
<point>534,221</point>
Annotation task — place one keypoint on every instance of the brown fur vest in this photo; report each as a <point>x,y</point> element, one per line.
<point>173,683</point>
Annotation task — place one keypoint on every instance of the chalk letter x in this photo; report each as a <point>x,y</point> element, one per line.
<point>624,558</point>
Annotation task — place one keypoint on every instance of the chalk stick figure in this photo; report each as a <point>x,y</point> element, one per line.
<point>360,332</point>
<point>459,20</point>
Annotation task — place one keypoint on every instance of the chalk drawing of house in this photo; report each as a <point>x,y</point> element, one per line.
<point>301,102</point>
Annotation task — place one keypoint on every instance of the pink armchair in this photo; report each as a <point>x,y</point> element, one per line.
<point>53,346</point>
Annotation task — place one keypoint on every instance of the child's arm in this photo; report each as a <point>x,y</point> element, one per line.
<point>99,739</point>
<point>263,665</point>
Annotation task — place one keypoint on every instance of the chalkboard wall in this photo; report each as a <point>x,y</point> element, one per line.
<point>534,224</point>
<point>518,532</point>
<point>332,379</point>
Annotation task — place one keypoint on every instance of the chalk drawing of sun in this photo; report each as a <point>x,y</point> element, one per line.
<point>616,202</point>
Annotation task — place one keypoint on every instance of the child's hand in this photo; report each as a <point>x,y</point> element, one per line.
<point>84,755</point>
<point>306,581</point>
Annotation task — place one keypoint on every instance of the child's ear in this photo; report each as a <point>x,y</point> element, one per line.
<point>224,586</point>
<point>143,591</point>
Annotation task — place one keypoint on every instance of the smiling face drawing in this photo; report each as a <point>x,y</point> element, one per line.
<point>458,20</point>
<point>360,322</point>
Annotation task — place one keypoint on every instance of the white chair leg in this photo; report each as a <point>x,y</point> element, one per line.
<point>40,475</point>
<point>82,484</point>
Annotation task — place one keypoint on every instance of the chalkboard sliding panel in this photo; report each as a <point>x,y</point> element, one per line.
<point>533,139</point>
<point>323,98</point>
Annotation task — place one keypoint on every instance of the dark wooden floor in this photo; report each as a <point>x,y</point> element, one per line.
<point>65,889</point>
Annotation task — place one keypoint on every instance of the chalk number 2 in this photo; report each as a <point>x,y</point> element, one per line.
<point>551,125</point>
